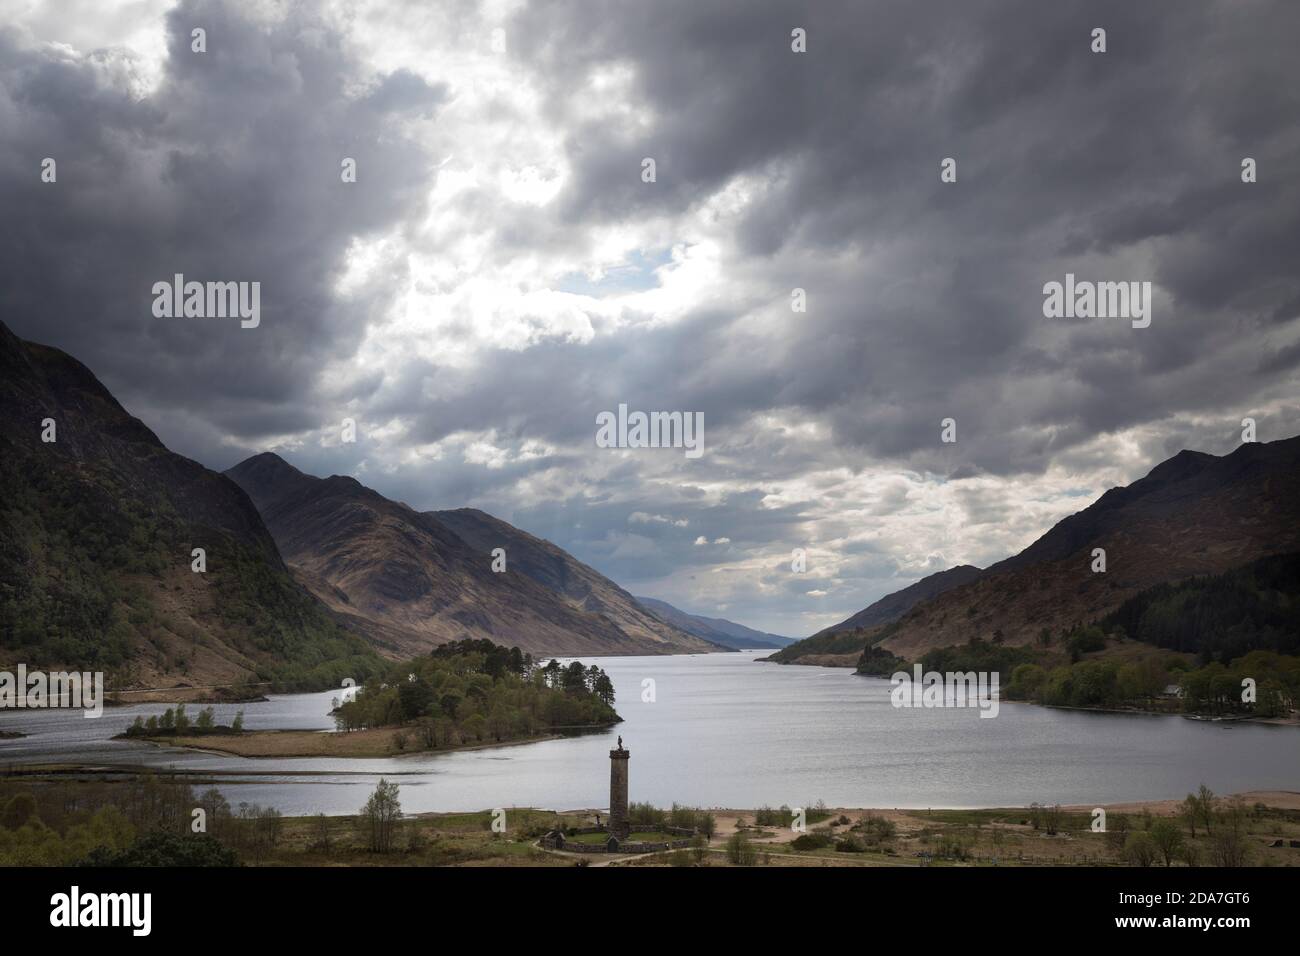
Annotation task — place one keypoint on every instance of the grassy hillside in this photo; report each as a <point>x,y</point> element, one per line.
<point>409,581</point>
<point>96,534</point>
<point>1193,515</point>
<point>823,644</point>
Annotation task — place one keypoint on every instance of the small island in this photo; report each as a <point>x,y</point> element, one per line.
<point>462,695</point>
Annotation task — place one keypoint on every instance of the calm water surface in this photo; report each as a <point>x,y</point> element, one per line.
<point>727,731</point>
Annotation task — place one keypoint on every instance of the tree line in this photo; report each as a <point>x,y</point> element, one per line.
<point>1215,689</point>
<point>177,722</point>
<point>1219,617</point>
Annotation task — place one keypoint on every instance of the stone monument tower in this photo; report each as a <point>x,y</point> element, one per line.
<point>618,825</point>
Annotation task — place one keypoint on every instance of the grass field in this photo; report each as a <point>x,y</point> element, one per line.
<point>1005,837</point>
<point>455,839</point>
<point>47,813</point>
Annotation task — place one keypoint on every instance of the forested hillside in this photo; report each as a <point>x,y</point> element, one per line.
<point>1222,616</point>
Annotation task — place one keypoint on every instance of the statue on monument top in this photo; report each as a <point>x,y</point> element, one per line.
<point>620,742</point>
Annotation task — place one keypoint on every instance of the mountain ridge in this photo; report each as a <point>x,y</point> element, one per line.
<point>1192,514</point>
<point>97,532</point>
<point>894,605</point>
<point>840,644</point>
<point>716,629</point>
<point>554,568</point>
<point>409,581</point>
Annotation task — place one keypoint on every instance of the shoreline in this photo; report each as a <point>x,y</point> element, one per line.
<point>1288,800</point>
<point>1293,720</point>
<point>372,744</point>
<point>204,694</point>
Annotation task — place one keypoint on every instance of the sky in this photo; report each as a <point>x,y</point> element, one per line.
<point>501,273</point>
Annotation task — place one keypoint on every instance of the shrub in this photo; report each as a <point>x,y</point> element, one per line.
<point>159,848</point>
<point>740,852</point>
<point>811,841</point>
<point>1140,849</point>
<point>20,808</point>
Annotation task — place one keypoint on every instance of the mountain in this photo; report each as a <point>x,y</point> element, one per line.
<point>1194,514</point>
<point>580,585</point>
<point>893,606</point>
<point>412,580</point>
<point>840,644</point>
<point>715,629</point>
<point>97,527</point>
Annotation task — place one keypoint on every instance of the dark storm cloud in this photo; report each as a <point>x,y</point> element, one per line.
<point>1124,165</point>
<point>925,299</point>
<point>229,170</point>
<point>1120,165</point>
<point>719,76</point>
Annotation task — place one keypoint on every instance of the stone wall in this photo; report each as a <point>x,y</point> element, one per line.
<point>584,848</point>
<point>653,847</point>
<point>684,839</point>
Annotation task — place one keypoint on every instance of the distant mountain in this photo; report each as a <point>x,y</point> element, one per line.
<point>97,529</point>
<point>715,629</point>
<point>1194,514</point>
<point>582,586</point>
<point>409,580</point>
<point>842,643</point>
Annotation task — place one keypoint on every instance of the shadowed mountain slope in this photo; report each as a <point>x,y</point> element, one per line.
<point>1193,514</point>
<point>97,529</point>
<point>842,643</point>
<point>411,580</point>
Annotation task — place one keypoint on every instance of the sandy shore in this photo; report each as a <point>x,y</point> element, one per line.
<point>376,742</point>
<point>729,820</point>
